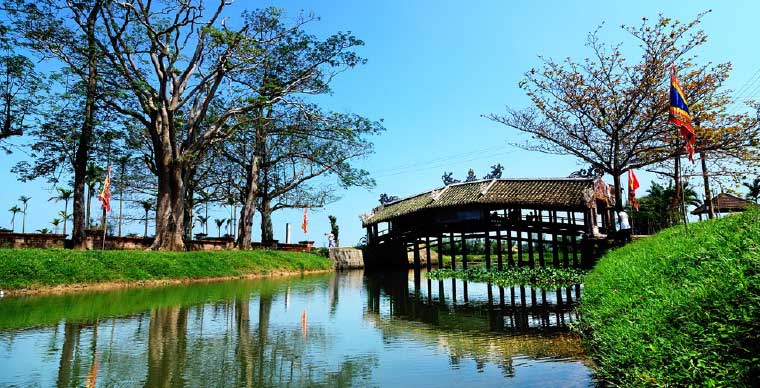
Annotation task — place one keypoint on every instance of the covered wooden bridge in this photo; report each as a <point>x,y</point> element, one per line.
<point>520,221</point>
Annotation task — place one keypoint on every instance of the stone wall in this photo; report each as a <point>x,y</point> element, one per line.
<point>32,240</point>
<point>423,257</point>
<point>347,258</point>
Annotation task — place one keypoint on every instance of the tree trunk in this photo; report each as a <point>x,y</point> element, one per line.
<point>708,193</point>
<point>70,341</point>
<point>170,208</point>
<point>245,227</point>
<point>145,234</point>
<point>618,196</point>
<point>267,231</point>
<point>89,206</point>
<point>85,137</point>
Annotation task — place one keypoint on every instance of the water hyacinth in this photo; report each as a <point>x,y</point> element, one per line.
<point>545,277</point>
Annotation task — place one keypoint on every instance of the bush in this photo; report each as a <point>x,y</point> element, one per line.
<point>677,309</point>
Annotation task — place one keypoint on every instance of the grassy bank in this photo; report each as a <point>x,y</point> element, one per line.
<point>34,268</point>
<point>678,310</point>
<point>545,277</point>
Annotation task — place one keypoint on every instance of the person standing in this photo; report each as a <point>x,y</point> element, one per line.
<point>624,226</point>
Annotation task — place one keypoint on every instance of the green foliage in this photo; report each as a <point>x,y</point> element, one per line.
<point>545,277</point>
<point>29,268</point>
<point>678,309</point>
<point>655,210</point>
<point>334,229</point>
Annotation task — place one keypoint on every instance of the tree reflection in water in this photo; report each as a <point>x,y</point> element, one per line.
<point>250,333</point>
<point>534,321</point>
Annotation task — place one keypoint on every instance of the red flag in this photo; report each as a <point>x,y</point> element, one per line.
<point>633,184</point>
<point>305,223</point>
<point>679,113</point>
<point>105,195</point>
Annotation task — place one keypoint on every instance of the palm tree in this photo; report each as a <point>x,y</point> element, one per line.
<point>219,224</point>
<point>147,206</point>
<point>25,200</point>
<point>56,222</point>
<point>205,199</point>
<point>65,217</point>
<point>15,209</point>
<point>204,222</point>
<point>43,230</point>
<point>63,195</point>
<point>754,190</point>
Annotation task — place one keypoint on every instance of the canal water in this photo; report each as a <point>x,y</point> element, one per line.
<point>333,330</point>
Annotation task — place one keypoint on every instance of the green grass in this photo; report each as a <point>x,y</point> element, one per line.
<point>546,277</point>
<point>32,268</point>
<point>678,310</point>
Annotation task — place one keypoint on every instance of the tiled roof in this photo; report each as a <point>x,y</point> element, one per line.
<point>724,203</point>
<point>561,192</point>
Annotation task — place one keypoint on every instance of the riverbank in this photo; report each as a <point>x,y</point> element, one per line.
<point>678,309</point>
<point>25,271</point>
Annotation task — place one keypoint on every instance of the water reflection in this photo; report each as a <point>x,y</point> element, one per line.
<point>342,329</point>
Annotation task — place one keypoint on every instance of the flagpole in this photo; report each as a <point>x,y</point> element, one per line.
<point>683,196</point>
<point>105,227</point>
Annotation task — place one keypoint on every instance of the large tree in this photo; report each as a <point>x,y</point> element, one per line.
<point>175,58</point>
<point>610,111</point>
<point>66,31</point>
<point>303,149</point>
<point>293,66</point>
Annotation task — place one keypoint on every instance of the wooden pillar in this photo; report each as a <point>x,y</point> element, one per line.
<point>429,291</point>
<point>464,255</point>
<point>510,255</point>
<point>540,238</point>
<point>499,255</point>
<point>453,251</point>
<point>488,250</point>
<point>555,246</point>
<point>454,291</point>
<point>428,264</point>
<point>465,297</point>
<point>440,252</point>
<point>416,254</point>
<point>370,238</point>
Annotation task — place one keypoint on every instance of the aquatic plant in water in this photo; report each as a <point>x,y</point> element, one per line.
<point>544,277</point>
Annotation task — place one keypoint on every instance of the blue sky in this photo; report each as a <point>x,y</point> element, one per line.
<point>434,67</point>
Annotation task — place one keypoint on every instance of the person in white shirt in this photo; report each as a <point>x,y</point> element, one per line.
<point>624,226</point>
